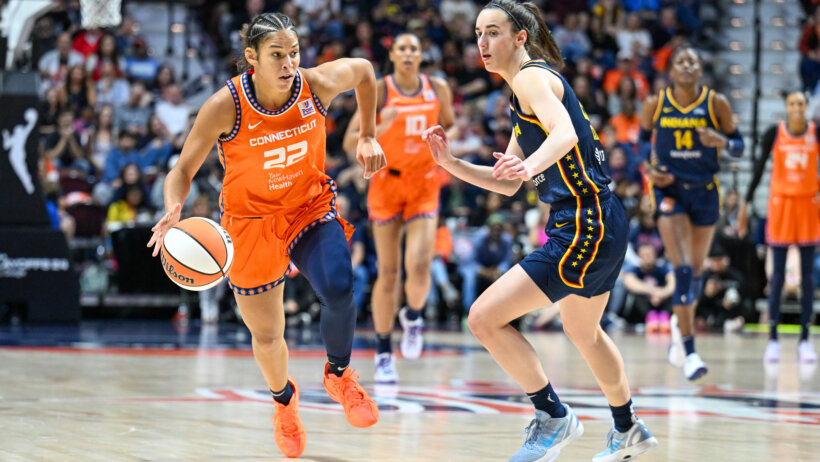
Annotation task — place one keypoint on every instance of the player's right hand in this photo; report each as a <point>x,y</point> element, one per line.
<point>659,176</point>
<point>163,226</point>
<point>370,154</point>
<point>436,138</point>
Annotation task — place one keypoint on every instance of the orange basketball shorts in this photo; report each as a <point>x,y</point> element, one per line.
<point>262,245</point>
<point>793,220</point>
<point>394,195</point>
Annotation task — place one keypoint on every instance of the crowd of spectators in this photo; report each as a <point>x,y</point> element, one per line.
<point>114,117</point>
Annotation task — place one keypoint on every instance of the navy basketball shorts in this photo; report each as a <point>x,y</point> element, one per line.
<point>586,247</point>
<point>701,201</point>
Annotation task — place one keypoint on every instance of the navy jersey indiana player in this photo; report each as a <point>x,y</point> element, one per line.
<point>692,124</point>
<point>554,146</point>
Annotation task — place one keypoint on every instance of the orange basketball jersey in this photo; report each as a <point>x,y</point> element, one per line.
<point>794,168</point>
<point>274,160</point>
<point>402,144</point>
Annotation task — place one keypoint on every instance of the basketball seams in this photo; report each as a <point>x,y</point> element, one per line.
<point>220,231</point>
<point>206,251</point>
<point>168,252</point>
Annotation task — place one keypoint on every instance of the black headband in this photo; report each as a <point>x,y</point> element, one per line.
<point>508,14</point>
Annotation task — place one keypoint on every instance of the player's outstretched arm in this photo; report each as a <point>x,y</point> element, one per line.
<point>480,176</point>
<point>341,75</point>
<point>216,117</point>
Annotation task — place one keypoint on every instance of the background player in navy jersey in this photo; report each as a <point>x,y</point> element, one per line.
<point>555,147</point>
<point>691,125</point>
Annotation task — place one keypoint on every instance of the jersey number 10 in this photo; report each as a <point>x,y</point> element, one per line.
<point>415,125</point>
<point>282,157</point>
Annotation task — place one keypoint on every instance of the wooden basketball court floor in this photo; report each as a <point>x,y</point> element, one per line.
<point>118,392</point>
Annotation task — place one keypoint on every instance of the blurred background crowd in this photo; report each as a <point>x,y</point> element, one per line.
<point>116,110</point>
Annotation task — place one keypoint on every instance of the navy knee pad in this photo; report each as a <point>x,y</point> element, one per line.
<point>683,285</point>
<point>697,288</point>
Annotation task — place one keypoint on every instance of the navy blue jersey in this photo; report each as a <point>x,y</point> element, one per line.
<point>677,144</point>
<point>582,171</point>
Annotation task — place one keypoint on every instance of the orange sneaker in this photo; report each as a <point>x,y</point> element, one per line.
<point>288,431</point>
<point>360,409</point>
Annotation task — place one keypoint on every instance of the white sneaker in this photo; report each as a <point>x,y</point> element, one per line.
<point>806,353</point>
<point>677,355</point>
<point>385,369</point>
<point>626,446</point>
<point>412,342</point>
<point>772,354</point>
<point>694,367</point>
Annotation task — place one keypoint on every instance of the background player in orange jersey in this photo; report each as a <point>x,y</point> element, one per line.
<point>405,194</point>
<point>278,205</point>
<point>793,215</point>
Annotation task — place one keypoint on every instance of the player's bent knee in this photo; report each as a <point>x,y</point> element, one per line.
<point>268,340</point>
<point>683,285</point>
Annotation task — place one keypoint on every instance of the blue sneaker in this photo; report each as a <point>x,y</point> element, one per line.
<point>625,446</point>
<point>547,435</point>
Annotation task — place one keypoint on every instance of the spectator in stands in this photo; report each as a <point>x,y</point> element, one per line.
<point>49,111</point>
<point>107,52</point>
<point>492,256</point>
<point>54,64</point>
<point>610,12</point>
<point>810,51</point>
<point>87,42</point>
<point>64,146</point>
<point>126,152</point>
<point>651,283</point>
<point>111,87</point>
<point>140,66</point>
<point>134,115</point>
<point>572,40</point>
<point>452,8</point>
<point>604,46</point>
<point>593,100</point>
<point>164,78</point>
<point>634,41</point>
<point>627,125</point>
<point>129,210</point>
<point>78,91</point>
<point>720,303</point>
<point>102,137</point>
<point>612,78</point>
<point>665,28</point>
<point>472,80</point>
<point>172,110</point>
<point>645,229</point>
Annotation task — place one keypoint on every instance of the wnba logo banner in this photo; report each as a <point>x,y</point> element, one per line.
<point>22,200</point>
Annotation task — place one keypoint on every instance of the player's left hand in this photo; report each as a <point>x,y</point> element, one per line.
<point>370,155</point>
<point>510,167</point>
<point>711,138</point>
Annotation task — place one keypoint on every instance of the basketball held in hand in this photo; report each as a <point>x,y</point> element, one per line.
<point>197,253</point>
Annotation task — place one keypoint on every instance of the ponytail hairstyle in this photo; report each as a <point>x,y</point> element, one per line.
<point>527,16</point>
<point>260,26</point>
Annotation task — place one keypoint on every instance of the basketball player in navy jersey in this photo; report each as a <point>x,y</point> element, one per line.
<point>553,145</point>
<point>692,124</point>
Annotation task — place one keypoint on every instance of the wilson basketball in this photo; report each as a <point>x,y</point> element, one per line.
<point>197,253</point>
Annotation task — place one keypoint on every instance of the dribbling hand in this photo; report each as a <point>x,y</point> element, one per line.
<point>163,226</point>
<point>510,167</point>
<point>370,155</point>
<point>436,139</point>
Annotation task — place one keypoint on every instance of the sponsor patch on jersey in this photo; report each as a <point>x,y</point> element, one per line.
<point>429,95</point>
<point>699,111</point>
<point>306,108</point>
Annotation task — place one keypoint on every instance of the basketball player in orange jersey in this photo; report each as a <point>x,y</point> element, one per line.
<point>404,195</point>
<point>793,216</point>
<point>278,205</point>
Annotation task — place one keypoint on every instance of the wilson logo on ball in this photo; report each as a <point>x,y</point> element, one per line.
<point>197,253</point>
